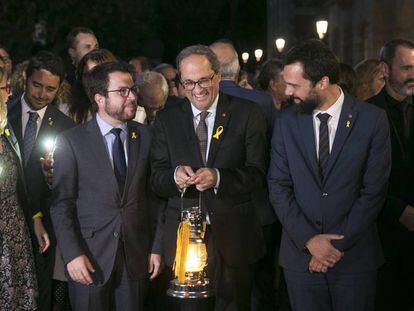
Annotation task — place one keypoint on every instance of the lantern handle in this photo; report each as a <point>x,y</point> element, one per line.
<point>183,191</point>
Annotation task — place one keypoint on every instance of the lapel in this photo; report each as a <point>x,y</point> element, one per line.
<point>97,145</point>
<point>307,133</point>
<point>346,122</point>
<point>189,132</point>
<point>15,119</point>
<point>134,138</point>
<point>220,127</point>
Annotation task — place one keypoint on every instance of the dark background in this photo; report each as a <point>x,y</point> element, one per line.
<point>158,29</point>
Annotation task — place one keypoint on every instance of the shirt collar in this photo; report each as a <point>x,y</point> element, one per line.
<point>26,108</point>
<point>335,110</point>
<point>212,108</point>
<point>105,127</point>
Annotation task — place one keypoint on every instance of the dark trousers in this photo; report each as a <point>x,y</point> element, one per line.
<point>119,293</point>
<point>330,291</point>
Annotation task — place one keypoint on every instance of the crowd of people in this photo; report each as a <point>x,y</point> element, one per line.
<point>303,174</point>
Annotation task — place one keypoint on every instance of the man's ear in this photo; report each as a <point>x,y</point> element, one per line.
<point>323,83</point>
<point>99,100</point>
<point>385,69</point>
<point>72,54</point>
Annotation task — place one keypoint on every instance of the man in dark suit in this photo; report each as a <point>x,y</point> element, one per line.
<point>214,144</point>
<point>396,222</point>
<point>330,162</point>
<point>36,120</point>
<point>264,289</point>
<point>100,209</point>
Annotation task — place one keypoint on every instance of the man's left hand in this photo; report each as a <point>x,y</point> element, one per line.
<point>316,266</point>
<point>154,265</point>
<point>206,178</point>
<point>47,169</point>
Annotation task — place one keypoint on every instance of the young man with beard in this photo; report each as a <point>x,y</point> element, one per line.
<point>100,210</point>
<point>396,224</point>
<point>330,162</point>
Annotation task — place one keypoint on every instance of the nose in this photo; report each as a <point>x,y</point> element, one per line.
<point>42,93</point>
<point>288,90</point>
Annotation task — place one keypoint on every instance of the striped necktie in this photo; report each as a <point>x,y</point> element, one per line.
<point>202,136</point>
<point>29,138</point>
<point>323,143</point>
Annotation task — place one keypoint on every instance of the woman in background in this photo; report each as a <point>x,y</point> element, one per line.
<point>18,286</point>
<point>369,79</point>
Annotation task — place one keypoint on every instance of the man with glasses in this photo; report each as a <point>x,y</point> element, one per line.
<point>100,209</point>
<point>212,145</point>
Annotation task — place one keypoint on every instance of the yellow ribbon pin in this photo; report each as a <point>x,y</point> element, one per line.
<point>7,132</point>
<point>348,123</point>
<point>50,121</point>
<point>219,130</point>
<point>133,135</point>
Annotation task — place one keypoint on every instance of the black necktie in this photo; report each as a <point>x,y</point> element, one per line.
<point>202,136</point>
<point>323,142</point>
<point>118,155</point>
<point>29,135</point>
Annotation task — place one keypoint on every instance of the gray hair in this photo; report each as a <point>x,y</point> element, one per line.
<point>229,69</point>
<point>199,50</point>
<point>151,79</point>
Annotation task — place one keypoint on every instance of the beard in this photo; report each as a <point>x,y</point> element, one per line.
<point>402,88</point>
<point>122,113</point>
<point>307,105</point>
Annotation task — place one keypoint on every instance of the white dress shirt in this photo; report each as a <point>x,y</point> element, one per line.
<point>335,112</point>
<point>25,115</point>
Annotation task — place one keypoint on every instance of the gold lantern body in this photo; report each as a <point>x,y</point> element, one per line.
<point>191,258</point>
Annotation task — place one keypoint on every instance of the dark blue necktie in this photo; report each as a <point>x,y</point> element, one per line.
<point>323,143</point>
<point>29,138</point>
<point>118,155</point>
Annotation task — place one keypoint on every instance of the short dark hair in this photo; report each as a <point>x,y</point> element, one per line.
<point>317,61</point>
<point>199,50</point>
<point>347,78</point>
<point>96,81</point>
<point>270,71</point>
<point>48,61</point>
<point>71,37</point>
<point>387,52</point>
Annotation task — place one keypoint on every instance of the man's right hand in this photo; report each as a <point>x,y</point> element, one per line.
<point>321,248</point>
<point>80,270</point>
<point>184,176</point>
<point>407,218</point>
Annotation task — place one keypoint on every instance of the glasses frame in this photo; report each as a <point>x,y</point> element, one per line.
<point>134,90</point>
<point>209,79</point>
<point>7,88</point>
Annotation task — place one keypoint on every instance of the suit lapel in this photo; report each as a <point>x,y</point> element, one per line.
<point>98,148</point>
<point>220,128</point>
<point>307,132</point>
<point>134,138</point>
<point>15,119</point>
<point>346,122</point>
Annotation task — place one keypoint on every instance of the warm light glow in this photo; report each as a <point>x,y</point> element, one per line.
<point>1,170</point>
<point>258,54</point>
<point>280,44</point>
<point>245,57</point>
<point>321,28</point>
<point>196,257</point>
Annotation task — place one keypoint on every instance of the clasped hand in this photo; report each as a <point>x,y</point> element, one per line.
<point>204,178</point>
<point>324,254</point>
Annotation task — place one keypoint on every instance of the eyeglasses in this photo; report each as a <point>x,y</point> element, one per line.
<point>189,85</point>
<point>5,88</point>
<point>124,91</point>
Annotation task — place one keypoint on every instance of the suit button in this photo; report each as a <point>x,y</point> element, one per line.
<point>324,194</point>
<point>116,234</point>
<point>318,223</point>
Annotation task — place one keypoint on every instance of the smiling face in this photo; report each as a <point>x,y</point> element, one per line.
<point>41,88</point>
<point>196,67</point>
<point>114,108</point>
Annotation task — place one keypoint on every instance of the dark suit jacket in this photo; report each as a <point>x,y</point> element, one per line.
<point>238,154</point>
<point>401,186</point>
<point>265,102</point>
<point>53,123</point>
<point>88,212</point>
<point>21,183</point>
<point>349,199</point>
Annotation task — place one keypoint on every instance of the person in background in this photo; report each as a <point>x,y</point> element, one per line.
<point>347,78</point>
<point>18,285</point>
<point>369,79</point>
